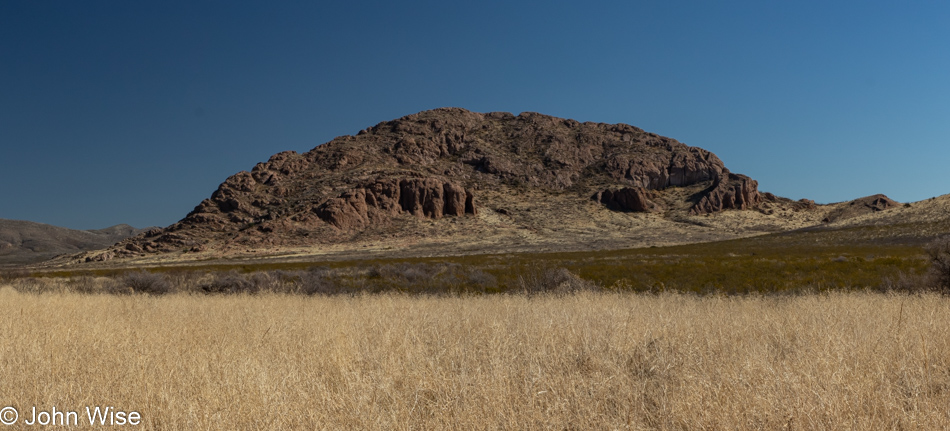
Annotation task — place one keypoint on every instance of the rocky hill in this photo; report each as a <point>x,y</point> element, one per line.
<point>25,242</point>
<point>454,181</point>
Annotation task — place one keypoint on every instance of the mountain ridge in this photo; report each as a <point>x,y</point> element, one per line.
<point>24,241</point>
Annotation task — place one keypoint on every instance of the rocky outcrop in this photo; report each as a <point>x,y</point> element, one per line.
<point>480,150</point>
<point>677,166</point>
<point>877,202</point>
<point>432,165</point>
<point>429,198</point>
<point>729,191</point>
<point>861,206</point>
<point>634,199</point>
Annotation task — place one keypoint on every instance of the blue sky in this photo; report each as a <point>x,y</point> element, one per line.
<point>133,112</point>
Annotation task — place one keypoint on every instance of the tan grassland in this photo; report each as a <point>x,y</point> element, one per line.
<point>586,361</point>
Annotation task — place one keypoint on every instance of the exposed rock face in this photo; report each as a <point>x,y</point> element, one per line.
<point>435,164</point>
<point>429,198</point>
<point>657,170</point>
<point>636,199</point>
<point>729,191</point>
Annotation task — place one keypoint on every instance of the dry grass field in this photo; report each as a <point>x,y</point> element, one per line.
<point>393,361</point>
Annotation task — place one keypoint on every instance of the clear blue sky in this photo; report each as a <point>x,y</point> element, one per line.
<point>133,112</point>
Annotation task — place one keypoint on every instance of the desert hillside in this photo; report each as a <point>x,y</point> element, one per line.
<point>451,181</point>
<point>25,242</point>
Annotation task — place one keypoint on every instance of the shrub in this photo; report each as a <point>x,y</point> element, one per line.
<point>142,282</point>
<point>231,282</point>
<point>403,273</point>
<point>321,281</point>
<point>9,276</point>
<point>86,284</point>
<point>552,280</point>
<point>234,282</point>
<point>476,280</point>
<point>32,285</point>
<point>277,281</point>
<point>906,283</point>
<point>938,252</point>
<point>436,278</point>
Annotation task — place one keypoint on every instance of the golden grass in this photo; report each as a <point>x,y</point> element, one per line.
<point>586,361</point>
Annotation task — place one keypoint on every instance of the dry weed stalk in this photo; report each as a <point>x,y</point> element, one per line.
<point>567,361</point>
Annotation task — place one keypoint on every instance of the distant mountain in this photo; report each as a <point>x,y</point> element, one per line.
<point>28,242</point>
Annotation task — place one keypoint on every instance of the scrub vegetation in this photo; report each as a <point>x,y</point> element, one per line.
<point>772,264</point>
<point>584,360</point>
<point>753,334</point>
